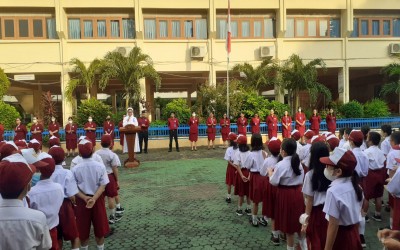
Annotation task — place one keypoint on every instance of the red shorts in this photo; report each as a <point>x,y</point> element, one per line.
<point>256,187</point>
<point>230,177</point>
<point>67,228</point>
<point>317,228</point>
<point>97,216</point>
<point>53,235</point>
<point>241,187</point>
<point>348,238</point>
<point>289,206</point>
<point>112,187</point>
<point>373,183</point>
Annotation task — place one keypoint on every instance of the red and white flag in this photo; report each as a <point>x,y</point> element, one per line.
<point>229,35</point>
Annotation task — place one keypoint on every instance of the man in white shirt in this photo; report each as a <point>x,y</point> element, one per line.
<point>20,227</point>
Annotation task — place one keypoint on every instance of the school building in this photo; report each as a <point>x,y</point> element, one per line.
<point>187,42</point>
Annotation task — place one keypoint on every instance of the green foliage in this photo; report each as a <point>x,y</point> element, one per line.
<point>376,108</point>
<point>278,107</point>
<point>8,115</point>
<point>392,75</point>
<point>159,123</point>
<point>352,109</point>
<point>254,103</point>
<point>95,108</point>
<point>4,84</point>
<point>180,108</point>
<point>117,117</point>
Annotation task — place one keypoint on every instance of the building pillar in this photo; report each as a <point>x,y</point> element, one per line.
<point>343,85</point>
<point>114,101</point>
<point>143,92</point>
<point>150,88</point>
<point>67,107</point>
<point>189,98</point>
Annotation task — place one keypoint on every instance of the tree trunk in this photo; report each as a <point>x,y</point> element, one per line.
<point>88,93</point>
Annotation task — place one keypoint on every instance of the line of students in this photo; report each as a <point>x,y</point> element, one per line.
<point>319,191</point>
<point>52,204</point>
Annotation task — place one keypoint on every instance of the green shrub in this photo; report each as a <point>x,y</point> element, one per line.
<point>159,123</point>
<point>352,109</point>
<point>180,108</point>
<point>376,108</point>
<point>279,108</point>
<point>254,103</point>
<point>117,117</point>
<point>8,115</point>
<point>95,108</point>
<point>4,83</point>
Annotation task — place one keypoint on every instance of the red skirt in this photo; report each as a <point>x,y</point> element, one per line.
<point>224,136</point>
<point>289,206</point>
<point>230,177</point>
<point>112,187</point>
<point>317,228</point>
<point>87,216</point>
<point>92,137</point>
<point>67,228</point>
<point>256,187</point>
<point>266,189</point>
<point>272,133</point>
<point>193,137</point>
<point>286,133</point>
<point>241,187</point>
<point>396,213</point>
<point>347,238</point>
<point>211,136</point>
<point>374,182</point>
<point>53,236</point>
<point>316,131</point>
<point>301,129</point>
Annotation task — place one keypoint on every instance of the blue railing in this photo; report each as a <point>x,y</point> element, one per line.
<point>183,130</point>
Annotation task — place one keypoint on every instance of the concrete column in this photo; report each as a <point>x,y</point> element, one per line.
<point>150,88</point>
<point>189,98</point>
<point>143,92</point>
<point>343,84</point>
<point>67,107</point>
<point>114,101</point>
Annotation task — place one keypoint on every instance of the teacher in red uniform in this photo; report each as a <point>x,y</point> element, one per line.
<point>255,124</point>
<point>225,129</point>
<point>36,130</point>
<point>144,124</point>
<point>331,121</point>
<point>1,132</point>
<point>108,128</point>
<point>242,124</point>
<point>211,130</point>
<point>193,131</point>
<point>173,124</point>
<point>71,137</point>
<point>20,131</point>
<point>54,128</point>
<point>272,123</point>
<point>315,121</point>
<point>90,128</point>
<point>300,122</point>
<point>286,125</point>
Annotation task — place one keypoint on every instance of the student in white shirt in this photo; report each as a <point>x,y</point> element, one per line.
<point>230,176</point>
<point>305,150</point>
<point>365,130</point>
<point>20,227</point>
<point>386,131</point>
<point>314,190</point>
<point>344,143</point>
<point>393,165</point>
<point>296,136</point>
<point>343,201</point>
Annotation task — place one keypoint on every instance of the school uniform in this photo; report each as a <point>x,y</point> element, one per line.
<point>289,203</point>
<point>362,162</point>
<point>390,164</point>
<point>193,129</point>
<point>393,188</point>
<point>286,132</point>
<point>20,132</point>
<point>242,126</point>
<point>173,124</point>
<point>255,162</point>
<point>54,127</point>
<point>255,125</point>
<point>331,123</point>
<point>34,128</point>
<point>110,159</point>
<point>241,187</point>
<point>78,159</point>
<point>211,129</point>
<point>375,180</point>
<point>71,137</point>
<point>315,121</point>
<point>385,145</point>
<point>272,123</point>
<point>225,128</point>
<point>317,225</point>
<point>121,134</point>
<point>89,176</point>
<point>230,156</point>
<point>305,155</point>
<point>299,147</point>
<point>341,203</point>
<point>344,144</point>
<point>300,118</point>
<point>91,134</point>
<point>144,133</point>
<point>268,199</point>
<point>108,127</point>
<point>48,196</point>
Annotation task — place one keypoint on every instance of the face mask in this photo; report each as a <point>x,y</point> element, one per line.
<point>34,121</point>
<point>53,120</point>
<point>299,110</point>
<point>35,178</point>
<point>328,174</point>
<point>70,122</point>
<point>193,115</point>
<point>90,120</point>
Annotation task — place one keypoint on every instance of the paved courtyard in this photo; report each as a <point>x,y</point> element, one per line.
<point>176,201</point>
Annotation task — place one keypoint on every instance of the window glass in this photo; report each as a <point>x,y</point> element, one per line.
<point>37,28</point>
<point>115,31</point>
<point>289,27</point>
<point>375,27</point>
<point>188,25</point>
<point>74,27</point>
<point>163,29</point>
<point>364,27</point>
<point>257,28</point>
<point>128,28</point>
<point>150,29</point>
<point>101,28</point>
<point>299,27</point>
<point>269,28</point>
<point>88,28</point>
<point>386,28</point>
<point>201,29</point>
<point>176,29</point>
<point>312,27</point>
<point>323,27</point>
<point>245,29</point>
<point>335,27</point>
<point>23,28</point>
<point>234,29</point>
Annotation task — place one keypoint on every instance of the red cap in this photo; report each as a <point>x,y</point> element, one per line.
<point>232,136</point>
<point>333,141</point>
<point>35,144</point>
<point>58,154</point>
<point>309,134</point>
<point>296,135</point>
<point>274,145</point>
<point>48,168</point>
<point>54,141</point>
<point>242,139</point>
<point>85,148</point>
<point>343,159</point>
<point>317,138</point>
<point>7,149</point>
<point>21,144</point>
<point>106,139</point>
<point>356,136</point>
<point>14,176</point>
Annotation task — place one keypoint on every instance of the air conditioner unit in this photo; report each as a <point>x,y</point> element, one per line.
<point>394,48</point>
<point>267,51</point>
<point>123,50</point>
<point>197,52</point>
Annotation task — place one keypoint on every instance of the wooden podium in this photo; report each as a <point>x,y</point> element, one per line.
<point>130,135</point>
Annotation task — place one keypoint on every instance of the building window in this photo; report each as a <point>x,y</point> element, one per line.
<point>315,27</point>
<point>376,27</point>
<point>27,28</point>
<point>246,28</point>
<point>104,28</point>
<point>175,28</point>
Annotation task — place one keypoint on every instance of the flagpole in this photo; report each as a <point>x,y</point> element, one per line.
<point>228,50</point>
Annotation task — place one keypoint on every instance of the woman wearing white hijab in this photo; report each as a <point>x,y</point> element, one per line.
<point>130,119</point>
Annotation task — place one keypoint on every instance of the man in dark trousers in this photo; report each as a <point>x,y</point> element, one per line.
<point>173,124</point>
<point>144,123</point>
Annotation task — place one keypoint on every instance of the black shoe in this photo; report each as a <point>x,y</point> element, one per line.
<point>239,212</point>
<point>362,239</point>
<point>387,208</point>
<point>120,210</point>
<point>177,150</point>
<point>111,220</point>
<point>117,218</point>
<point>111,232</point>
<point>274,241</point>
<point>262,222</point>
<point>228,199</point>
<point>282,237</point>
<point>366,218</point>
<point>247,211</point>
<point>170,150</point>
<point>376,217</point>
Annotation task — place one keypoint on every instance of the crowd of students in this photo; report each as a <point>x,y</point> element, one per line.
<point>44,203</point>
<point>316,186</point>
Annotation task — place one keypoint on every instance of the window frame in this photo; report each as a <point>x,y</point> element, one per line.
<point>317,19</point>
<point>251,21</point>
<point>30,19</point>
<point>169,27</point>
<point>370,19</point>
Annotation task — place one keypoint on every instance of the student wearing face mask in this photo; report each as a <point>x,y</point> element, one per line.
<point>331,121</point>
<point>36,130</point>
<point>54,128</point>
<point>108,128</point>
<point>19,130</point>
<point>71,137</point>
<point>90,128</point>
<point>300,122</point>
<point>193,131</point>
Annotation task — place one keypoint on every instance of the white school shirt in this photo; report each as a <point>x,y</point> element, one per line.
<point>255,161</point>
<point>341,143</point>
<point>78,159</point>
<point>268,163</point>
<point>319,197</point>
<point>390,159</point>
<point>47,196</point>
<point>90,175</point>
<point>305,154</point>
<point>109,158</point>
<point>341,202</point>
<point>22,227</point>
<point>362,162</point>
<point>241,159</point>
<point>363,146</point>
<point>393,186</point>
<point>284,175</point>
<point>376,157</point>
<point>299,147</point>
<point>65,178</point>
<point>230,154</point>
<point>385,145</point>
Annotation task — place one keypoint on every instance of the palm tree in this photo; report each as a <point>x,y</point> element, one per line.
<point>4,83</point>
<point>392,74</point>
<point>297,76</point>
<point>129,70</point>
<point>84,76</point>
